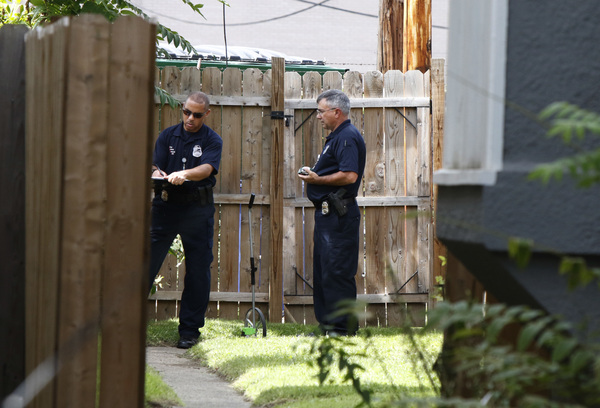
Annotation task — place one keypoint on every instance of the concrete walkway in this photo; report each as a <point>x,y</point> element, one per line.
<point>195,385</point>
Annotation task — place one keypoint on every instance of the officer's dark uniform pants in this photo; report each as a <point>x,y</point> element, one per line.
<point>194,223</point>
<point>336,241</point>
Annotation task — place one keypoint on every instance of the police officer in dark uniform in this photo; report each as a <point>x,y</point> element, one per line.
<point>333,185</point>
<point>185,162</point>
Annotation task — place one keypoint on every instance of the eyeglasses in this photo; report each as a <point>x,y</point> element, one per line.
<point>197,115</point>
<point>321,111</point>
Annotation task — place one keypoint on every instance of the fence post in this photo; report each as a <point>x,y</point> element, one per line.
<point>12,207</point>
<point>276,192</point>
<point>437,118</point>
<point>127,243</point>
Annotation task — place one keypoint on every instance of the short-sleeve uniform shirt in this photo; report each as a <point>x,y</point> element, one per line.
<point>177,150</point>
<point>344,150</point>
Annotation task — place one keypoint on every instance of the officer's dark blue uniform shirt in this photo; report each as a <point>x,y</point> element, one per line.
<point>178,150</point>
<point>344,150</point>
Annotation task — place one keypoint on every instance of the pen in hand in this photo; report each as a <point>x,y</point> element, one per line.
<point>162,173</point>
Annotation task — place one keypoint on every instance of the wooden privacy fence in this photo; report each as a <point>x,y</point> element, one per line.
<point>263,148</point>
<point>89,93</point>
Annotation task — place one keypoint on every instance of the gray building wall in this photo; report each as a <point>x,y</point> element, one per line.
<point>552,56</point>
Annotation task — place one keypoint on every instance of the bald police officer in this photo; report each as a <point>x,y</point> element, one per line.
<point>185,161</point>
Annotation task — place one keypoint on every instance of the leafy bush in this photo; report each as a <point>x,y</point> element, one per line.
<point>545,367</point>
<point>572,124</point>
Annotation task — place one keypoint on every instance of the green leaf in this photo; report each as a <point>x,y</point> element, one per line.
<point>530,331</point>
<point>90,7</point>
<point>166,97</point>
<point>562,349</point>
<point>552,110</point>
<point>572,124</point>
<point>576,270</point>
<point>496,326</point>
<point>494,310</point>
<point>530,315</point>
<point>162,53</point>
<point>579,360</point>
<point>519,249</point>
<point>545,339</point>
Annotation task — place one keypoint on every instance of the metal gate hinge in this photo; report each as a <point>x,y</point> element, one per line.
<point>280,115</point>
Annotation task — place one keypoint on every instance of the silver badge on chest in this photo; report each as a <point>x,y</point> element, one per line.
<point>197,151</point>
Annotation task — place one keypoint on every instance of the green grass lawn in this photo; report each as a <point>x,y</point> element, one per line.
<point>159,394</point>
<point>280,370</point>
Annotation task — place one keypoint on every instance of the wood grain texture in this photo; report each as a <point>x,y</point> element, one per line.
<point>124,281</point>
<point>12,211</point>
<point>276,209</point>
<point>84,205</point>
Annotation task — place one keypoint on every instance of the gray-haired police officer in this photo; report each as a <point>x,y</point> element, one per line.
<point>186,159</point>
<point>333,185</point>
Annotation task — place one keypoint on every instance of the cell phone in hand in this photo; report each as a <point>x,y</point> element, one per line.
<point>302,171</point>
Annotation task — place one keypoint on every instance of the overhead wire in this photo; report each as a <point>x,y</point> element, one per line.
<point>268,20</point>
<point>339,9</point>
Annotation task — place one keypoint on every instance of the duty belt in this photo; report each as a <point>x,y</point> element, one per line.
<point>203,195</point>
<point>325,207</point>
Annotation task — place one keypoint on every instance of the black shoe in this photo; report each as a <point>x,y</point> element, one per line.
<point>186,342</point>
<point>320,331</point>
<point>336,333</point>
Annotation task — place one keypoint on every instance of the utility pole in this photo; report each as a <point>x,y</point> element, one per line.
<point>404,35</point>
<point>391,23</point>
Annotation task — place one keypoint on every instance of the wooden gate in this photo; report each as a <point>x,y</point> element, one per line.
<point>393,113</point>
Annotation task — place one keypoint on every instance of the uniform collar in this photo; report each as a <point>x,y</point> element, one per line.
<point>338,129</point>
<point>180,132</point>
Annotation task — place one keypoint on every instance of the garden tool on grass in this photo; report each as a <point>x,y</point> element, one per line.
<point>254,319</point>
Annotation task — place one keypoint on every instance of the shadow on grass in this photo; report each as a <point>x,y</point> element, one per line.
<point>164,332</point>
<point>343,394</point>
<point>236,367</point>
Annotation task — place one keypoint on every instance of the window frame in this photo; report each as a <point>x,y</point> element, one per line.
<point>476,78</point>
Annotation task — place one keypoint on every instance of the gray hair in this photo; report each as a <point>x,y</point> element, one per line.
<point>199,97</point>
<point>336,99</point>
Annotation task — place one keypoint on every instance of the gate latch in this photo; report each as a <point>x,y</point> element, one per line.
<point>280,115</point>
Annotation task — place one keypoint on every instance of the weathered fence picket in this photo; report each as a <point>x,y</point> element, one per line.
<point>374,184</point>
<point>12,210</point>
